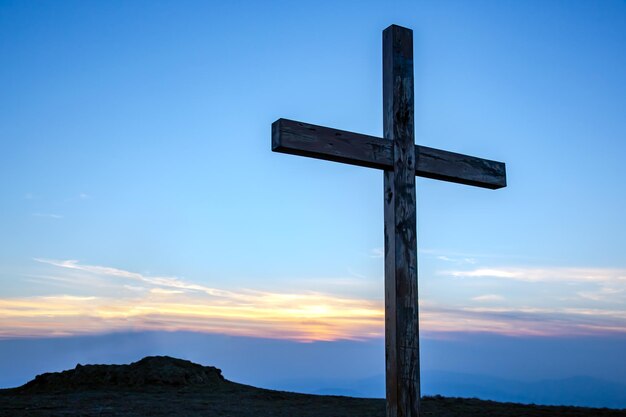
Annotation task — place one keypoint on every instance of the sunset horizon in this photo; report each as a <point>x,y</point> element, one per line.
<point>144,211</point>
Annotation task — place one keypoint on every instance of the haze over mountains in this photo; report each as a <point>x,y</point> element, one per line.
<point>579,391</point>
<point>165,386</point>
<point>488,367</point>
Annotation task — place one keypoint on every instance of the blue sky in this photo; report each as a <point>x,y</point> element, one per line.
<point>139,192</point>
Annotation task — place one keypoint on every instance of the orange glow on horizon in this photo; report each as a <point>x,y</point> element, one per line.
<point>129,301</point>
<point>301,317</point>
<point>304,317</point>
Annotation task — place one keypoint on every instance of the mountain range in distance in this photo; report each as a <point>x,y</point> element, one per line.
<point>580,391</point>
<point>164,386</point>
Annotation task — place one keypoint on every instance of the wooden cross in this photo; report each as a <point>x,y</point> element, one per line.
<point>401,160</point>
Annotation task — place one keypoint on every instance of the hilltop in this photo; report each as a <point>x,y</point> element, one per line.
<point>165,386</point>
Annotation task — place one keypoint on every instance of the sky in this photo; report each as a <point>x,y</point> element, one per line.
<point>139,193</point>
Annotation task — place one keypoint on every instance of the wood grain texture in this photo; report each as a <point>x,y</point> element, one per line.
<point>459,168</point>
<point>305,139</point>
<point>401,160</point>
<point>401,306</point>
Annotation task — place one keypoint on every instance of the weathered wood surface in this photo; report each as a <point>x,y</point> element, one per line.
<point>401,307</point>
<point>401,160</point>
<point>305,139</point>
<point>459,168</point>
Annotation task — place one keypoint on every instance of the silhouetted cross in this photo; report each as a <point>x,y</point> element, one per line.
<point>401,161</point>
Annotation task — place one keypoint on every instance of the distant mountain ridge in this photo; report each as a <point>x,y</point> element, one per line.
<point>163,370</point>
<point>578,390</point>
<point>165,386</point>
<point>581,391</point>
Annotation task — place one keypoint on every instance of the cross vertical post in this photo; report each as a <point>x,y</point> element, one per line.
<point>401,160</point>
<point>401,302</point>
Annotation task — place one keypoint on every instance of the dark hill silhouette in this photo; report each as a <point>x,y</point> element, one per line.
<point>165,386</point>
<point>150,371</point>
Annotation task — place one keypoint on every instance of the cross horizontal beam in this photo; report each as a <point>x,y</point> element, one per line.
<point>304,139</point>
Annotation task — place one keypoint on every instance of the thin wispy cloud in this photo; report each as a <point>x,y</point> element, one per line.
<point>94,298</point>
<point>76,197</point>
<point>301,317</point>
<point>555,274</point>
<point>524,321</point>
<point>470,261</point>
<point>166,302</point>
<point>162,282</point>
<point>488,298</point>
<point>599,285</point>
<point>48,215</point>
<point>379,253</point>
<point>603,294</point>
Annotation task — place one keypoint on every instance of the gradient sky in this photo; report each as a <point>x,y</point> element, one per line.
<point>138,190</point>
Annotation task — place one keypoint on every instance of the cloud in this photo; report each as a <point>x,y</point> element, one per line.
<point>96,299</point>
<point>600,285</point>
<point>549,274</point>
<point>303,317</point>
<point>163,282</point>
<point>488,298</point>
<point>171,303</point>
<point>445,258</point>
<point>164,291</point>
<point>604,293</point>
<point>48,215</point>
<point>523,321</point>
<point>377,253</point>
<point>457,260</point>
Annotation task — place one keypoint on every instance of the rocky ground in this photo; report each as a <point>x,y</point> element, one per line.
<point>163,386</point>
